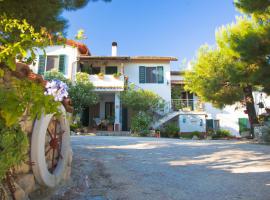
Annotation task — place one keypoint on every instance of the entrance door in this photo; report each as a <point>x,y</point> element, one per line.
<point>85,117</point>
<point>109,110</point>
<point>125,119</point>
<point>94,113</point>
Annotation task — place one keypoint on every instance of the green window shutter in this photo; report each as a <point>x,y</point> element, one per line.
<point>160,72</point>
<point>62,64</point>
<point>243,124</point>
<point>142,74</point>
<point>41,64</point>
<point>210,124</point>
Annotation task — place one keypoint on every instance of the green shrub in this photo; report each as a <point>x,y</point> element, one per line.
<point>140,123</point>
<point>191,135</point>
<point>141,100</point>
<point>75,126</point>
<point>171,130</point>
<point>222,134</point>
<point>55,74</point>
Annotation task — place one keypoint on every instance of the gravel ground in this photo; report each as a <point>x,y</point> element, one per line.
<point>120,168</point>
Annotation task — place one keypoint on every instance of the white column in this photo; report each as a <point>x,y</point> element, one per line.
<point>117,126</point>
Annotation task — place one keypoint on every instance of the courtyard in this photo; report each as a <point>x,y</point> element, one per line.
<point>119,168</point>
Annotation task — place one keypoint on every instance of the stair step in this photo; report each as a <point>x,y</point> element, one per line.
<point>113,133</point>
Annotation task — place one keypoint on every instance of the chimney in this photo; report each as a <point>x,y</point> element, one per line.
<point>114,49</point>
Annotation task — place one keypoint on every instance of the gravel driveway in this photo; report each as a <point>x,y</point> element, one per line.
<point>120,168</point>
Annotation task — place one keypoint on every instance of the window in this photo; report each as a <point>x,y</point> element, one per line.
<point>212,124</point>
<point>95,70</point>
<point>110,70</point>
<point>52,63</point>
<point>89,69</point>
<point>151,74</point>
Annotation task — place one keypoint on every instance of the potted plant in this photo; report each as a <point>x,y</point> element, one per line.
<point>110,123</point>
<point>101,75</point>
<point>117,75</point>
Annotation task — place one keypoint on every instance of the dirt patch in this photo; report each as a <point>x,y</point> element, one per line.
<point>89,180</point>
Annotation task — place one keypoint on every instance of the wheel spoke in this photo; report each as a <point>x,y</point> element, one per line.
<point>48,151</point>
<point>53,161</point>
<point>55,128</point>
<point>50,134</point>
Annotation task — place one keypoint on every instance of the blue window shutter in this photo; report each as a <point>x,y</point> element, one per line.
<point>41,64</point>
<point>62,64</point>
<point>142,74</point>
<point>160,78</point>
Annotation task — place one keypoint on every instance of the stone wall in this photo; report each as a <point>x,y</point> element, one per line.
<point>23,177</point>
<point>262,133</point>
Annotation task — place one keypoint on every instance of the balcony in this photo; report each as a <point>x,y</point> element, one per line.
<point>107,82</point>
<point>187,105</point>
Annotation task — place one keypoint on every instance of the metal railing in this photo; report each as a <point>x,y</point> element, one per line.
<point>187,105</point>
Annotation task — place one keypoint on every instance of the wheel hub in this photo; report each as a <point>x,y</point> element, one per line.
<point>54,143</point>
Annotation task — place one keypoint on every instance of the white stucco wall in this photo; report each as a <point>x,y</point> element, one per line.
<point>163,90</point>
<point>192,122</point>
<point>177,78</point>
<point>71,57</point>
<point>228,117</point>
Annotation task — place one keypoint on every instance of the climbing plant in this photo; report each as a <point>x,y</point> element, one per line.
<point>19,97</point>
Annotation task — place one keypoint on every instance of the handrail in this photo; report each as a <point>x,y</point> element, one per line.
<point>187,104</point>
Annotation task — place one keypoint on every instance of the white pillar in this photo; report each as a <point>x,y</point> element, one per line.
<point>117,126</point>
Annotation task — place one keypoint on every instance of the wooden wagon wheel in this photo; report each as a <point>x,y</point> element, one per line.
<point>53,144</point>
<point>50,148</point>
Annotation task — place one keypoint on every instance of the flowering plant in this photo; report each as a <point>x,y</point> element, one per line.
<point>58,89</point>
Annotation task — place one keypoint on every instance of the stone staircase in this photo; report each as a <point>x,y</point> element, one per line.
<point>113,133</point>
<point>165,119</point>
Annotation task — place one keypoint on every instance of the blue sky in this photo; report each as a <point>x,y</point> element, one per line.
<point>151,27</point>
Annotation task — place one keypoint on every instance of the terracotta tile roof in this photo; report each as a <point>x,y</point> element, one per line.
<point>83,49</point>
<point>128,58</point>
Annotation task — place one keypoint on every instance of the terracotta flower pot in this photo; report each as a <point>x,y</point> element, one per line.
<point>110,128</point>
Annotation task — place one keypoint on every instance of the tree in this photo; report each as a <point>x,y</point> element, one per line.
<point>41,13</point>
<point>240,63</point>
<point>230,72</point>
<point>258,8</point>
<point>82,93</point>
<point>141,100</point>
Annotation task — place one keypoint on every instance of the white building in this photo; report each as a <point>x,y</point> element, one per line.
<point>63,58</point>
<point>206,116</point>
<point>109,74</point>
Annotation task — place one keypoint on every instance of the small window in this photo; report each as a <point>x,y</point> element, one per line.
<point>95,70</point>
<point>52,63</point>
<point>111,70</point>
<point>151,74</point>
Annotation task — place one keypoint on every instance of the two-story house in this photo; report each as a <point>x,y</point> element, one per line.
<point>109,74</point>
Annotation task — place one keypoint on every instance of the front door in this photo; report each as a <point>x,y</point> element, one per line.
<point>125,119</point>
<point>109,110</point>
<point>85,116</point>
<point>94,113</point>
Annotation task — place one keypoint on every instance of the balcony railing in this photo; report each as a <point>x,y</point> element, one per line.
<point>107,82</point>
<point>187,105</point>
